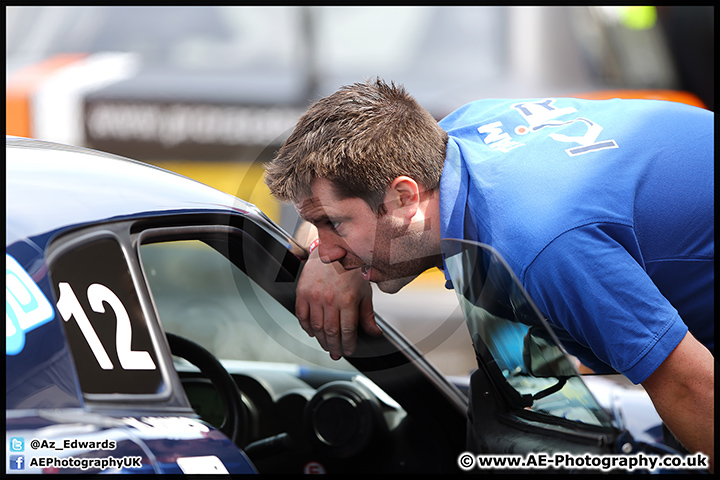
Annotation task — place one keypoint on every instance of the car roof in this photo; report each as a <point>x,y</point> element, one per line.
<point>51,187</point>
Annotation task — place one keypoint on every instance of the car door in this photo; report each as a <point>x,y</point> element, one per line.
<point>529,405</point>
<point>527,395</point>
<point>131,394</point>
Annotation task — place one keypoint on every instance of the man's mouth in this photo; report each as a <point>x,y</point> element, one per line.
<point>365,269</point>
<point>365,272</point>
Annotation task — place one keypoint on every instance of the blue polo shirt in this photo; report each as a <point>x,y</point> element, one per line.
<point>603,209</point>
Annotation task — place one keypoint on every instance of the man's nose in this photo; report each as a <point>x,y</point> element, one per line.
<point>329,249</point>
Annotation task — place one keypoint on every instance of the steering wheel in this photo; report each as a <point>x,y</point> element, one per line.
<point>237,416</point>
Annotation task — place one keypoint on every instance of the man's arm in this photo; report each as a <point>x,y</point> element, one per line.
<point>331,303</point>
<point>683,392</point>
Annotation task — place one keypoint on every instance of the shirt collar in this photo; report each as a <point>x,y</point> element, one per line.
<point>453,198</point>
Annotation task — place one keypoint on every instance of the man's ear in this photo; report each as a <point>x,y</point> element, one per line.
<point>403,197</point>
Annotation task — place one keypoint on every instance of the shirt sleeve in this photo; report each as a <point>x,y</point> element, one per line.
<point>591,283</point>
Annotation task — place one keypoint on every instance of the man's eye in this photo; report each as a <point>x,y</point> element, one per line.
<point>333,225</point>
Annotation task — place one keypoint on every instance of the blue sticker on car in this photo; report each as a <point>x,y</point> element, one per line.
<point>26,307</point>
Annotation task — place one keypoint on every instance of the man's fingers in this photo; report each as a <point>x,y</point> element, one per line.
<point>330,305</point>
<point>348,330</point>
<point>331,332</point>
<point>302,312</point>
<point>317,325</point>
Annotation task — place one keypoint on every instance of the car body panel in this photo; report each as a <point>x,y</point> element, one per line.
<point>148,444</point>
<point>136,188</point>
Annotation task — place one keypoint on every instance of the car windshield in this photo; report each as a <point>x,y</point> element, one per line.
<point>513,340</point>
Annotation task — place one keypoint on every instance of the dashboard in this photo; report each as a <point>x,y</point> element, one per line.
<point>327,420</point>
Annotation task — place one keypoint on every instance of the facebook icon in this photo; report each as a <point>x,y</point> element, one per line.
<point>17,462</point>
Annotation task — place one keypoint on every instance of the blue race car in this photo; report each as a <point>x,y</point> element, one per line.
<point>149,329</point>
<point>114,266</point>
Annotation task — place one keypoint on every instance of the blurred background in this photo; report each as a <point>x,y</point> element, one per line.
<point>212,92</point>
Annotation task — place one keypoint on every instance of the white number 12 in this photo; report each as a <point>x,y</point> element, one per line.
<point>97,294</point>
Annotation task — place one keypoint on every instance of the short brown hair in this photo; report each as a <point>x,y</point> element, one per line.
<point>360,138</point>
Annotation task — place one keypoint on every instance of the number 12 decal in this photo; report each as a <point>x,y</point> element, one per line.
<point>97,294</point>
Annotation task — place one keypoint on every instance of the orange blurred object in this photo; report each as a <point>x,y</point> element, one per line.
<point>668,95</point>
<point>20,87</point>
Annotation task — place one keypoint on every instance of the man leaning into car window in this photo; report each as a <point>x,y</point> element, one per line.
<point>603,209</point>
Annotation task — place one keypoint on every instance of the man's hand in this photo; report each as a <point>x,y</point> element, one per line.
<point>683,392</point>
<point>331,303</point>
